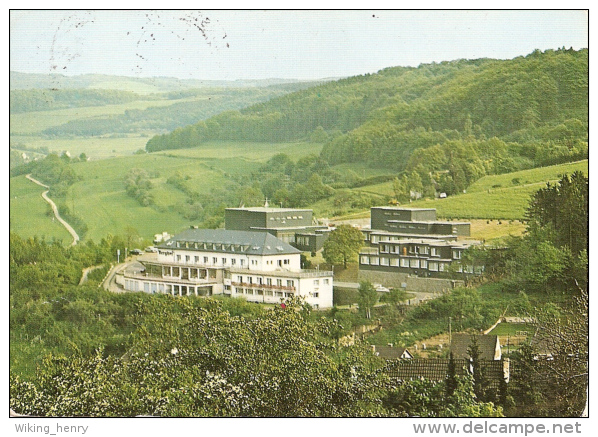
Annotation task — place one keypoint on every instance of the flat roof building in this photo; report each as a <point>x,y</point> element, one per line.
<point>415,221</point>
<point>291,225</point>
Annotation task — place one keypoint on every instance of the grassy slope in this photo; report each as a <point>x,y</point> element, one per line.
<point>28,212</point>
<point>100,200</point>
<point>507,201</point>
<point>492,197</point>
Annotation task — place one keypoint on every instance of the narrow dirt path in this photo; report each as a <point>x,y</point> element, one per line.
<point>68,227</point>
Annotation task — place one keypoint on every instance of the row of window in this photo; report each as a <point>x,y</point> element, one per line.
<point>287,218</point>
<point>211,246</point>
<point>153,287</point>
<point>205,260</point>
<point>279,282</point>
<point>269,281</point>
<point>416,250</point>
<point>261,292</point>
<point>412,263</point>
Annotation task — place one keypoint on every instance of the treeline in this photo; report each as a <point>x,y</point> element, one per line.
<point>552,256</point>
<point>51,99</point>
<point>454,165</point>
<point>399,109</point>
<point>195,104</point>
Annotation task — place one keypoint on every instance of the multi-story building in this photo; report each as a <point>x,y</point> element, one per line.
<point>405,243</point>
<point>415,222</point>
<point>294,226</point>
<point>416,256</point>
<point>206,262</point>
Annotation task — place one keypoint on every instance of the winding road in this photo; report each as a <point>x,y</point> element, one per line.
<point>68,227</point>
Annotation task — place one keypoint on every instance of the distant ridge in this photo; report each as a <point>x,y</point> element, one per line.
<point>21,81</point>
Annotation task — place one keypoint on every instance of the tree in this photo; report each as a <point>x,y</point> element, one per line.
<point>553,253</point>
<point>368,297</point>
<point>480,381</point>
<point>451,382</point>
<point>550,377</point>
<point>426,398</point>
<point>566,340</point>
<point>192,358</point>
<point>342,245</point>
<point>559,213</point>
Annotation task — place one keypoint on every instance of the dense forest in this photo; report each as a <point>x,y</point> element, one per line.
<point>452,121</point>
<point>191,100</point>
<point>197,104</point>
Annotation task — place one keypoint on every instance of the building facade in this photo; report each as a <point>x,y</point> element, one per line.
<point>416,222</point>
<point>407,243</point>
<point>293,226</point>
<point>207,262</point>
<point>416,256</point>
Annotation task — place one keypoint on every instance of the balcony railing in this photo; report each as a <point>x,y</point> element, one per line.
<point>313,273</point>
<point>266,286</point>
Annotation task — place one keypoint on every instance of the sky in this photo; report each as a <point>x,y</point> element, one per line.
<point>288,44</point>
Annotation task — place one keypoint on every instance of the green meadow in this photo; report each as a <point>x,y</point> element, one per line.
<point>248,151</point>
<point>100,200</point>
<point>504,196</point>
<point>32,123</point>
<point>30,214</point>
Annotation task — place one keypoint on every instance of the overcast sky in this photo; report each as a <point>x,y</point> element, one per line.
<point>216,45</point>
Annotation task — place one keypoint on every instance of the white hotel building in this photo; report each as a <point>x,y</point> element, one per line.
<point>207,262</point>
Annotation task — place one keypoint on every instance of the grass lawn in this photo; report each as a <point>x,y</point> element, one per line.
<point>492,230</point>
<point>248,151</point>
<point>94,147</point>
<point>512,329</point>
<point>533,176</point>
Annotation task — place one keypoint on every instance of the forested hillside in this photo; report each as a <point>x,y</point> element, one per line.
<point>188,107</point>
<point>48,99</point>
<point>535,108</point>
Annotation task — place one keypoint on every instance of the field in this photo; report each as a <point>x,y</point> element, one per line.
<point>29,212</point>
<point>512,329</point>
<point>534,176</point>
<point>101,201</point>
<point>498,197</point>
<point>31,123</point>
<point>489,230</point>
<point>248,151</point>
<point>495,205</point>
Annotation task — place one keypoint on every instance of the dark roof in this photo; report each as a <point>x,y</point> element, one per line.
<point>460,344</point>
<point>436,369</point>
<point>225,241</point>
<point>390,353</point>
